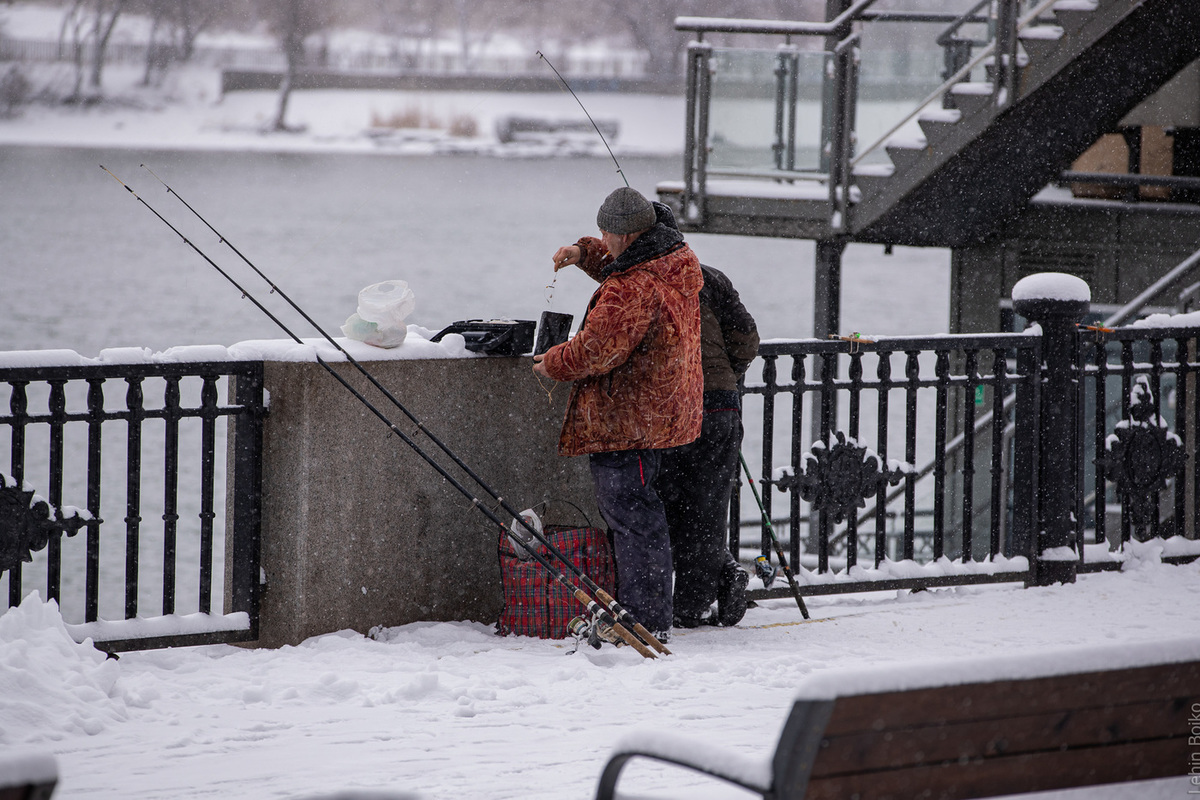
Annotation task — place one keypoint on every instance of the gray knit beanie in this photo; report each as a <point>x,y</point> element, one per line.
<point>625,211</point>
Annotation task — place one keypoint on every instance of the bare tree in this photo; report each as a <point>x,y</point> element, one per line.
<point>652,28</point>
<point>105,14</point>
<point>292,22</point>
<point>89,22</point>
<point>174,28</point>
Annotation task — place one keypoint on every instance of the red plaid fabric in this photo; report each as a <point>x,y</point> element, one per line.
<point>535,604</point>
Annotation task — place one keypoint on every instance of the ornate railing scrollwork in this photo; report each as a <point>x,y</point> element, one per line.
<point>838,478</point>
<point>27,522</point>
<point>1140,457</point>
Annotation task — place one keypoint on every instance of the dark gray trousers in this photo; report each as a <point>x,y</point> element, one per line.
<point>695,483</point>
<point>631,506</point>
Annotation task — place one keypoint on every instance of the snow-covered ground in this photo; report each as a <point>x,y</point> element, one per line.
<point>449,710</point>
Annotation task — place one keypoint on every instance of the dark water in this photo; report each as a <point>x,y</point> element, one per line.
<point>85,266</point>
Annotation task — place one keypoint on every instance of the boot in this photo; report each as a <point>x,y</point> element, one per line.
<point>731,593</point>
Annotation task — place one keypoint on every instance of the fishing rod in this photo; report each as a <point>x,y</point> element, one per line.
<point>610,602</point>
<point>621,613</point>
<point>775,541</point>
<point>563,80</point>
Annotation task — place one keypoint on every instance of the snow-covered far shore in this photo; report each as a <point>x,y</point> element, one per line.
<point>188,112</point>
<point>186,109</point>
<point>450,710</point>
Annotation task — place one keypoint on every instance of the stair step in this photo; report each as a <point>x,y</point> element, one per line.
<point>989,65</point>
<point>1040,39</point>
<point>871,179</point>
<point>1074,14</point>
<point>904,151</point>
<point>936,121</point>
<point>971,97</point>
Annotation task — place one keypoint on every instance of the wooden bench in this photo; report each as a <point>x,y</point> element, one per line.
<point>27,776</point>
<point>965,729</point>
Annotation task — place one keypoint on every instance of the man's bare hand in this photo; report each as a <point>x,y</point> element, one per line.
<point>540,368</point>
<point>566,256</point>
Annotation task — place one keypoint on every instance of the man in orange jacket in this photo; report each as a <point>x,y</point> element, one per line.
<point>637,387</point>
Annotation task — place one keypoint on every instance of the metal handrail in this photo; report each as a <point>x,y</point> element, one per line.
<point>1177,275</point>
<point>937,93</point>
<point>965,18</point>
<point>702,25</point>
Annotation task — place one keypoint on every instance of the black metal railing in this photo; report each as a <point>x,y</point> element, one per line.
<point>1015,457</point>
<point>886,407</point>
<point>167,457</point>
<point>1137,441</point>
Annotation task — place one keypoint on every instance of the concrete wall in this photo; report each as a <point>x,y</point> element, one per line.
<point>359,531</point>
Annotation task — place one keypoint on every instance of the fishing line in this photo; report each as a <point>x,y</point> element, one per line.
<point>620,172</point>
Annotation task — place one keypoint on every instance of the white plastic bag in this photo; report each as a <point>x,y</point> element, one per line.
<point>382,308</point>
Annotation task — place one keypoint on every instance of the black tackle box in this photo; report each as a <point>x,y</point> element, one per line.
<point>495,337</point>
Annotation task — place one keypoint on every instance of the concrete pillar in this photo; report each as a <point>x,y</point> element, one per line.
<point>358,531</point>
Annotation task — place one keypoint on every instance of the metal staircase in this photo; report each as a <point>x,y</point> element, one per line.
<point>1054,76</point>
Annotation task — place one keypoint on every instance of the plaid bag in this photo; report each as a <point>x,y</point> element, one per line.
<point>535,604</point>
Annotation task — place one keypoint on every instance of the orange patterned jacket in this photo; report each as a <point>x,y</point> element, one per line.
<point>635,361</point>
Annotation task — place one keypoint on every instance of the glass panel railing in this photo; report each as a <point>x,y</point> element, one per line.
<point>967,52</point>
<point>900,64</point>
<point>765,110</point>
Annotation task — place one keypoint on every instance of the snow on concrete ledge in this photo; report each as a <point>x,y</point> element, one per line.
<point>1052,286</point>
<point>416,346</point>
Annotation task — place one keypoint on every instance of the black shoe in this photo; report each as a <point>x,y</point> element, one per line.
<point>662,636</point>
<point>731,595</point>
<point>693,622</point>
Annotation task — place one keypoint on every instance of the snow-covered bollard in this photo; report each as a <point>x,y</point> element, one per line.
<point>1055,302</point>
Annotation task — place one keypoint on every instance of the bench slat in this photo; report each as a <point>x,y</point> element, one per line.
<point>1034,731</point>
<point>1025,773</point>
<point>901,709</point>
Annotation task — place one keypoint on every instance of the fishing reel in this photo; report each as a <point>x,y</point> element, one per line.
<point>592,631</point>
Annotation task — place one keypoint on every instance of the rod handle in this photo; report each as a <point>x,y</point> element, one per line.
<point>633,641</point>
<point>650,638</point>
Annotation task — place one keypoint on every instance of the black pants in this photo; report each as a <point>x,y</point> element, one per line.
<point>694,484</point>
<point>626,495</point>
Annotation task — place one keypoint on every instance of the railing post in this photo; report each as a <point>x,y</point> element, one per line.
<point>1056,302</point>
<point>244,484</point>
<point>841,134</point>
<point>1006,69</point>
<point>695,153</point>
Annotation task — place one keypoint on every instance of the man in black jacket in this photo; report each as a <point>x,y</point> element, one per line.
<point>696,479</point>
